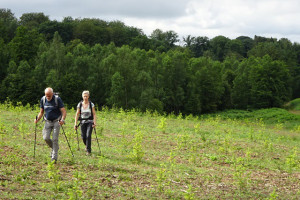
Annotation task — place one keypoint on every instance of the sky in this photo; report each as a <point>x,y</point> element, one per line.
<point>210,18</point>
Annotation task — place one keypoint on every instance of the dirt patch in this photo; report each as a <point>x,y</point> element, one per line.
<point>296,112</point>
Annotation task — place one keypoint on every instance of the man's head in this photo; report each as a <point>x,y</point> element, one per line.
<point>49,93</point>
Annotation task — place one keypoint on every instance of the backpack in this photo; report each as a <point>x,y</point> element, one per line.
<point>80,106</point>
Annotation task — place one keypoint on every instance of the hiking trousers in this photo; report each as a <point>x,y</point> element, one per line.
<point>86,135</point>
<point>52,143</point>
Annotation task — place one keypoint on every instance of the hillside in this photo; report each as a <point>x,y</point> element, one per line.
<point>149,156</point>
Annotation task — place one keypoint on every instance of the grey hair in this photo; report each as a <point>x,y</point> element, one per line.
<point>85,92</point>
<point>49,89</point>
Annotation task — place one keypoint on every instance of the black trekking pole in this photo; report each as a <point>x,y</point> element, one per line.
<point>97,140</point>
<point>34,138</point>
<point>67,140</point>
<point>77,135</point>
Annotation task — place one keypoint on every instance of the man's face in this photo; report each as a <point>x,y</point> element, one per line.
<point>48,95</point>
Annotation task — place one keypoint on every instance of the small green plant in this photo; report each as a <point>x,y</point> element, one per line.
<point>189,195</point>
<point>162,125</point>
<point>197,129</point>
<point>161,177</point>
<point>291,161</point>
<point>268,145</point>
<point>22,129</point>
<point>180,116</point>
<point>2,133</point>
<point>54,176</point>
<point>279,126</point>
<point>273,195</point>
<point>183,141</point>
<point>137,153</point>
<point>171,161</point>
<point>240,175</point>
<point>75,192</point>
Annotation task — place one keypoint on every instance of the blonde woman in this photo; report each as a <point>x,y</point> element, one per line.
<point>86,114</point>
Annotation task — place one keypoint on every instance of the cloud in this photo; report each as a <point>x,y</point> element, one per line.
<point>230,18</point>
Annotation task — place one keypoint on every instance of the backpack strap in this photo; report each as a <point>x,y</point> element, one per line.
<point>92,116</point>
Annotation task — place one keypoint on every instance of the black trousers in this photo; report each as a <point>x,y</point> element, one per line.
<point>86,135</point>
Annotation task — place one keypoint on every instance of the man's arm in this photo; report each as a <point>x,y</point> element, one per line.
<point>40,115</point>
<point>63,115</point>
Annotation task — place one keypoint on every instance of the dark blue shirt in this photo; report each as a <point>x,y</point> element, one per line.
<point>52,111</point>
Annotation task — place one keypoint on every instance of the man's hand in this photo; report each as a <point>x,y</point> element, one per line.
<point>61,122</point>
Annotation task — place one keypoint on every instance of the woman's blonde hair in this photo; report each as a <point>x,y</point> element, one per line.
<point>85,92</point>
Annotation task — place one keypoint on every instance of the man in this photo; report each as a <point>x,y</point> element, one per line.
<point>55,115</point>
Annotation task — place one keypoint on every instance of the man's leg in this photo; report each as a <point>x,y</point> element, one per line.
<point>55,140</point>
<point>46,133</point>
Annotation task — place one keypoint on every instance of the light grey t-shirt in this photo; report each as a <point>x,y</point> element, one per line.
<point>86,113</point>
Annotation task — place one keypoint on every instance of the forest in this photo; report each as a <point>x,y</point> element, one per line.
<point>124,68</point>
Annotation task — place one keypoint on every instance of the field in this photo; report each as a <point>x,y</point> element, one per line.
<point>228,155</point>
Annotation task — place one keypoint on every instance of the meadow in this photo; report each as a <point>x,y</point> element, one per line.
<point>228,155</point>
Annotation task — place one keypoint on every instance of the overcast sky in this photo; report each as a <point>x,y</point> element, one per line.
<point>230,18</point>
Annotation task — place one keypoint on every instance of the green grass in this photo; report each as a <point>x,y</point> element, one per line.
<point>295,104</point>
<point>270,116</point>
<point>230,155</point>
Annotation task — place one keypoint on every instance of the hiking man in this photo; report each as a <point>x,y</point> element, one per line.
<point>87,115</point>
<point>55,115</point>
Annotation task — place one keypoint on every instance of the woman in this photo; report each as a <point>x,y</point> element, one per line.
<point>87,115</point>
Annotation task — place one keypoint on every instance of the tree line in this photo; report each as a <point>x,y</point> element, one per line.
<point>123,67</point>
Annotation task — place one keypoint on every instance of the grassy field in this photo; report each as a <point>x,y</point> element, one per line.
<point>228,155</point>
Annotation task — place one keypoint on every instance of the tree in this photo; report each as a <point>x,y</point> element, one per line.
<point>205,86</point>
<point>163,41</point>
<point>247,43</point>
<point>198,45</point>
<point>261,83</point>
<point>8,25</point>
<point>270,83</point>
<point>64,29</point>
<point>24,45</point>
<point>219,47</point>
<point>4,59</point>
<point>19,85</point>
<point>117,92</point>
<point>33,20</point>
<point>141,41</point>
<point>120,34</point>
<point>174,65</point>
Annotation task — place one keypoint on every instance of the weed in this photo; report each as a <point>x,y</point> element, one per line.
<point>54,176</point>
<point>75,192</point>
<point>240,175</point>
<point>161,177</point>
<point>189,195</point>
<point>137,153</point>
<point>292,161</point>
<point>162,125</point>
<point>273,195</point>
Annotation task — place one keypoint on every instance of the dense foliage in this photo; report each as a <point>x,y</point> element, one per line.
<point>123,67</point>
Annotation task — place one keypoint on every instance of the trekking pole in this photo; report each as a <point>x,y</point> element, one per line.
<point>34,138</point>
<point>77,135</point>
<point>67,140</point>
<point>97,140</point>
